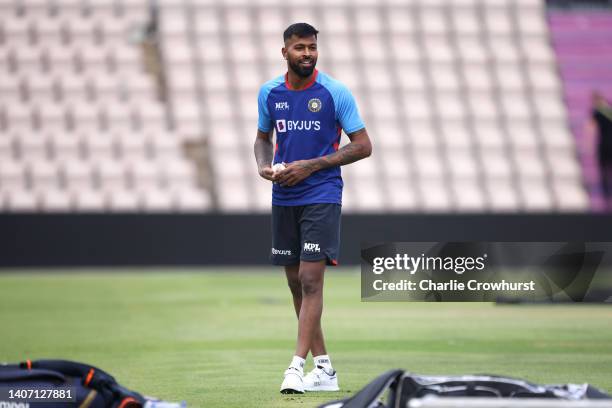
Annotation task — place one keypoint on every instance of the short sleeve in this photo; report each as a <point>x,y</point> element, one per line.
<point>264,122</point>
<point>347,112</point>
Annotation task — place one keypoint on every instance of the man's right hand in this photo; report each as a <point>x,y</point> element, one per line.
<point>267,172</point>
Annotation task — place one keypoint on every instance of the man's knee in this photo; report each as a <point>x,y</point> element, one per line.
<point>311,283</point>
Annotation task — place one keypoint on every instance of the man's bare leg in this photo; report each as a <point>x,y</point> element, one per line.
<point>317,345</point>
<point>310,276</point>
<point>306,284</point>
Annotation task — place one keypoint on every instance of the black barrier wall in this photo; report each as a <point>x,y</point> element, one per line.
<point>143,240</point>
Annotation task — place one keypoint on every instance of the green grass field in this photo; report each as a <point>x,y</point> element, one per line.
<point>222,338</point>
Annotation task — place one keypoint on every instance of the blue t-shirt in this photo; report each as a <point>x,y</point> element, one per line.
<point>308,124</point>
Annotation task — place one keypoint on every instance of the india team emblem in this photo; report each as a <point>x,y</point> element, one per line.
<point>314,105</point>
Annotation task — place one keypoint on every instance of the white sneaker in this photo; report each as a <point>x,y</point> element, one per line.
<point>319,379</point>
<point>293,382</point>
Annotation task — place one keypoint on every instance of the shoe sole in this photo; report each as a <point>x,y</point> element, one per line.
<point>291,391</point>
<point>323,388</point>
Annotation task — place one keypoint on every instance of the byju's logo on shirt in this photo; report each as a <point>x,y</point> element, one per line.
<point>281,105</point>
<point>311,247</point>
<point>283,125</point>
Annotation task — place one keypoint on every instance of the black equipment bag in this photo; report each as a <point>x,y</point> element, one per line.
<point>92,387</point>
<point>403,386</point>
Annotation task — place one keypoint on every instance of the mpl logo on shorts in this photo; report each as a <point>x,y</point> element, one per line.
<point>311,247</point>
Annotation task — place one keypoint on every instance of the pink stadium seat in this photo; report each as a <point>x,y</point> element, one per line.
<point>401,199</point>
<point>455,135</point>
<point>7,148</point>
<point>124,201</point>
<point>463,165</point>
<point>207,21</point>
<point>435,196</point>
<point>49,31</point>
<point>80,31</point>
<point>40,88</point>
<point>385,108</point>
<point>119,117</point>
<point>192,199</point>
<point>502,195</point>
<point>29,59</point>
<point>570,197</point>
<point>11,88</point>
<point>530,165</point>
<point>17,31</point>
<point>377,76</point>
<point>396,164</point>
<point>85,118</point>
<point>496,164</point>
<point>145,174</point>
<point>271,20</point>
<point>42,174</point>
<point>111,175</point>
<point>12,175</point>
<point>18,117</point>
<point>234,196</point>
<point>77,174</point>
<point>179,173</point>
<point>469,196</point>
<point>61,60</point>
<point>54,200</point>
<point>429,164</point>
<point>33,147</point>
<point>87,200</point>
<point>157,200</point>
<point>227,164</point>
<point>99,146</point>
<point>536,196</point>
<point>164,147</point>
<point>133,145</point>
<point>90,57</point>
<point>22,200</point>
<point>370,195</point>
<point>74,88</point>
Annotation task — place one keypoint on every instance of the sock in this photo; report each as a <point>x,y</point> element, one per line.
<point>297,362</point>
<point>323,361</point>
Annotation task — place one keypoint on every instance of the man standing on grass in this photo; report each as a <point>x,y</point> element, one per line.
<point>309,110</point>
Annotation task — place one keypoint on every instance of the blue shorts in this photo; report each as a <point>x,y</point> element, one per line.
<point>305,233</point>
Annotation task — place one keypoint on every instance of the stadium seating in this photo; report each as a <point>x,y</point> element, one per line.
<point>582,42</point>
<point>461,98</point>
<point>82,127</point>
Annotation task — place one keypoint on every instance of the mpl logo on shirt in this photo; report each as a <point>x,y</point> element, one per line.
<point>281,105</point>
<point>283,125</point>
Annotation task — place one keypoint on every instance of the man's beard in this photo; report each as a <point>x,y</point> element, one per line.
<point>301,71</point>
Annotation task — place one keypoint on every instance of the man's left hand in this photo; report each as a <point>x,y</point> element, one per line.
<point>294,173</point>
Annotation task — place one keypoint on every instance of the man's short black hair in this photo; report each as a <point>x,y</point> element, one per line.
<point>301,30</point>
